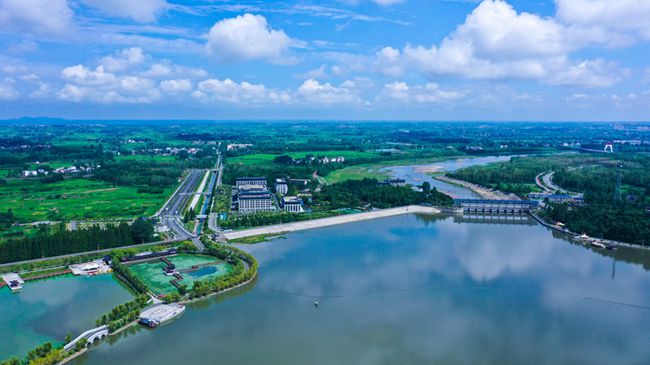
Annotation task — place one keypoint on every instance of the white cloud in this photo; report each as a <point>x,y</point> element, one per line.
<point>40,17</point>
<point>497,43</point>
<point>143,11</point>
<point>229,91</point>
<point>388,62</point>
<point>387,2</point>
<point>7,91</point>
<point>316,93</point>
<point>176,86</point>
<point>606,21</point>
<point>590,73</point>
<point>82,75</point>
<point>44,90</point>
<point>247,37</point>
<point>423,94</point>
<point>123,59</point>
<point>128,76</point>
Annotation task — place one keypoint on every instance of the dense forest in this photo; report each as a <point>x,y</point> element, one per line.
<point>609,213</point>
<point>368,193</point>
<point>63,242</point>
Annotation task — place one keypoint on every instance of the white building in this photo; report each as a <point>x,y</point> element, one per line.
<point>248,181</point>
<point>281,186</point>
<point>251,200</point>
<point>292,204</point>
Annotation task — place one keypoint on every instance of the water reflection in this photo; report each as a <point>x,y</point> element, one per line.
<point>415,290</point>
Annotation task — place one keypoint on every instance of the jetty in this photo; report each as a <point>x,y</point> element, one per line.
<point>14,281</point>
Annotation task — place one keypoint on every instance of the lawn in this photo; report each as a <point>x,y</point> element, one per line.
<point>76,199</point>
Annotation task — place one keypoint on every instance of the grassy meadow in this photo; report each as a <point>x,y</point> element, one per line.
<point>76,199</point>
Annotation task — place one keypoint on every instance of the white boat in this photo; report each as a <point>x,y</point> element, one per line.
<point>597,243</point>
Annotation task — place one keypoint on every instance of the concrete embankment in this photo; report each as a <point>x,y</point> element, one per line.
<point>331,221</point>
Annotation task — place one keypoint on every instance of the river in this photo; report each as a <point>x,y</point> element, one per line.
<point>418,174</point>
<point>413,290</point>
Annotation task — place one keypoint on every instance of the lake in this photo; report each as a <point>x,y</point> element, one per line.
<point>413,289</point>
<point>49,309</point>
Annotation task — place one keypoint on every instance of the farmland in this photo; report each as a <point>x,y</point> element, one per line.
<point>75,199</point>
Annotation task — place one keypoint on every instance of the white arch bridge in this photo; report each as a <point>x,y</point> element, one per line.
<point>91,336</point>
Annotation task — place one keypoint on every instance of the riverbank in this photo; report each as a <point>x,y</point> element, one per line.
<point>556,228</point>
<point>485,193</point>
<point>331,221</point>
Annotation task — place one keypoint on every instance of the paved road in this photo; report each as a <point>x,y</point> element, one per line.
<point>548,181</point>
<point>170,214</point>
<point>175,204</point>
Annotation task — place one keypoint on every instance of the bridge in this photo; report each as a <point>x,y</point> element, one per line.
<point>90,336</point>
<point>496,206</point>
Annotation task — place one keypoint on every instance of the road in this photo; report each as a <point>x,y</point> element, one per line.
<point>547,180</point>
<point>170,214</point>
<point>212,216</point>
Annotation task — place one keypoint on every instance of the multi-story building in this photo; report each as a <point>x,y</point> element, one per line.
<point>292,204</point>
<point>248,181</point>
<point>257,199</point>
<point>281,186</point>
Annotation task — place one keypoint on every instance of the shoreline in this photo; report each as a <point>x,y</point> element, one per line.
<point>481,191</point>
<point>566,231</point>
<point>329,221</point>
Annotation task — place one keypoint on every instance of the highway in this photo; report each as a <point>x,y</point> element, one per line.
<point>170,214</point>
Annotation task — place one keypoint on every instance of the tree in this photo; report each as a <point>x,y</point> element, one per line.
<point>142,230</point>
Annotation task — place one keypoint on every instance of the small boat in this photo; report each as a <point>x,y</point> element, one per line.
<point>598,244</point>
<point>316,304</point>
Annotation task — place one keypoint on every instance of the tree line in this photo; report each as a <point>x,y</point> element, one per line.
<point>369,193</point>
<point>63,242</point>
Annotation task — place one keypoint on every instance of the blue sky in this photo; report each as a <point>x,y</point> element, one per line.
<point>340,59</point>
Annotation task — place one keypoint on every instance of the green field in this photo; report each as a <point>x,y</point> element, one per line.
<point>151,272</point>
<point>265,158</point>
<point>76,199</point>
<point>254,159</point>
<point>357,172</point>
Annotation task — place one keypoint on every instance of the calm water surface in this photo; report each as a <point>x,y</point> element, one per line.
<point>415,177</point>
<point>413,290</point>
<point>47,310</point>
